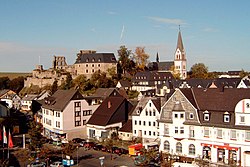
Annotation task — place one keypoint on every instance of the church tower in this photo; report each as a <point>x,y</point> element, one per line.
<point>180,61</point>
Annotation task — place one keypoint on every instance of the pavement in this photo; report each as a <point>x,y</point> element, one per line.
<point>93,158</point>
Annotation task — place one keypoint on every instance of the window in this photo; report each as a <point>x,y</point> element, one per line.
<point>134,131</point>
<point>57,124</point>
<point>176,115</point>
<point>153,123</point>
<point>247,134</point>
<point>149,123</point>
<point>57,114</point>
<point>77,123</point>
<point>176,130</point>
<point>206,116</point>
<point>87,112</point>
<point>247,105</point>
<point>182,115</point>
<point>154,112</point>
<point>99,65</point>
<point>166,145</point>
<point>144,123</point>
<point>182,130</point>
<point>242,119</point>
<point>191,149</point>
<point>166,129</point>
<point>219,133</point>
<point>149,133</point>
<point>77,104</point>
<point>77,113</point>
<point>93,70</point>
<point>233,134</point>
<point>145,132</point>
<point>139,122</point>
<point>87,71</point>
<point>84,122</point>
<point>191,116</point>
<point>146,113</point>
<point>149,104</point>
<point>87,60</point>
<point>87,65</point>
<point>191,132</point>
<point>154,133</point>
<point>206,132</point>
<point>135,122</point>
<point>178,147</point>
<point>150,113</point>
<point>226,117</point>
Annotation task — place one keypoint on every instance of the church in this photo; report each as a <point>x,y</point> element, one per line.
<point>178,66</point>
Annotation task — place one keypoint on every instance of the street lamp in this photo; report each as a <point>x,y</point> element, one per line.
<point>77,154</point>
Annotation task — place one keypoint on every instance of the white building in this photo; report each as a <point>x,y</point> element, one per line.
<point>65,114</point>
<point>144,119</point>
<point>209,123</point>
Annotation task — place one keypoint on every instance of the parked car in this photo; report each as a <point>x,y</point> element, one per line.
<point>56,164</point>
<point>37,164</point>
<point>98,147</point>
<point>55,138</point>
<point>120,151</point>
<point>104,149</point>
<point>112,149</point>
<point>89,144</point>
<point>77,140</point>
<point>82,143</point>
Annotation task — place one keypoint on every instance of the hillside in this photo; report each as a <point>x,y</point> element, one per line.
<point>13,75</point>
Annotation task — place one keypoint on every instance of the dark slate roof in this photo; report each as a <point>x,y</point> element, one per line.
<point>103,115</point>
<point>165,66</point>
<point>60,99</point>
<point>149,93</point>
<point>4,91</point>
<point>127,127</point>
<point>157,103</point>
<point>29,97</point>
<point>179,42</point>
<point>246,82</point>
<point>125,83</point>
<point>96,58</point>
<point>106,92</point>
<point>216,102</point>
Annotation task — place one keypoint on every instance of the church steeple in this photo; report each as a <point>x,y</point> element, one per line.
<point>157,58</point>
<point>180,61</point>
<point>179,42</point>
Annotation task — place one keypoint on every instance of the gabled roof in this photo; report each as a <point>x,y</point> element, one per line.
<point>179,42</point>
<point>143,102</point>
<point>104,114</point>
<point>96,58</point>
<point>127,127</point>
<point>125,83</point>
<point>29,97</point>
<point>165,66</point>
<point>152,76</point>
<point>6,91</point>
<point>60,99</point>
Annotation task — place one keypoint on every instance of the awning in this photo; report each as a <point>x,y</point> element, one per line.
<point>206,144</point>
<point>226,147</point>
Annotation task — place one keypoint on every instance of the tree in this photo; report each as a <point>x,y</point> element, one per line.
<point>17,84</point>
<point>124,58</point>
<point>81,82</point>
<point>54,87</point>
<point>141,58</point>
<point>243,73</point>
<point>4,82</point>
<point>35,130</point>
<point>175,74</point>
<point>199,70</point>
<point>68,82</point>
<point>100,80</point>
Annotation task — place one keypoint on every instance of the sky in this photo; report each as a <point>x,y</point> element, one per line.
<point>214,32</point>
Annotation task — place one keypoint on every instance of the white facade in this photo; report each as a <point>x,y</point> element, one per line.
<point>145,124</point>
<point>219,145</point>
<point>71,122</point>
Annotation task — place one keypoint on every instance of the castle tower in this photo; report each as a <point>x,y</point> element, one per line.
<point>180,61</point>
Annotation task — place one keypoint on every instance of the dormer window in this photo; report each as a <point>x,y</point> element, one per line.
<point>99,59</point>
<point>191,116</point>
<point>226,117</point>
<point>93,60</point>
<point>206,116</point>
<point>247,105</point>
<point>87,60</point>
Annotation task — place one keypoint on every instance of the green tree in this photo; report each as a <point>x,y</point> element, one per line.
<point>100,80</point>
<point>199,70</point>
<point>17,84</point>
<point>4,82</point>
<point>175,74</point>
<point>124,58</point>
<point>54,87</point>
<point>81,82</point>
<point>141,58</point>
<point>243,73</point>
<point>68,82</point>
<point>35,130</point>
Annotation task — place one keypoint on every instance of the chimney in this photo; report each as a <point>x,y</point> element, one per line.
<point>109,104</point>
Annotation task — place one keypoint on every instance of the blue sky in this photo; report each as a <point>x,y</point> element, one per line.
<point>214,32</point>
